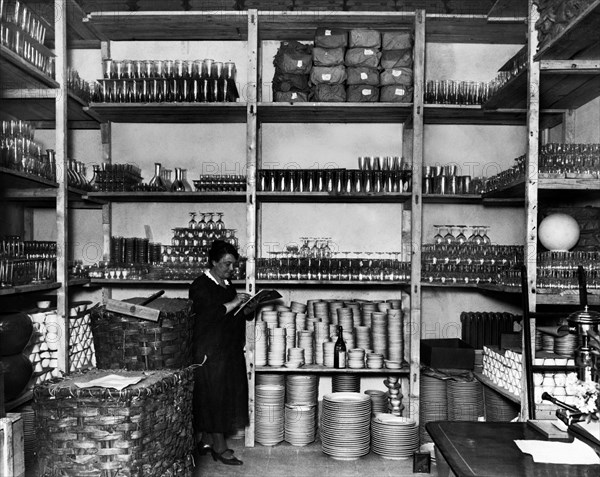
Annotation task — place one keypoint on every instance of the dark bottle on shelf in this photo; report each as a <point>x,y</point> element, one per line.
<point>339,351</point>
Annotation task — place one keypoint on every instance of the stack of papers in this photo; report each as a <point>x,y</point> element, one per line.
<point>548,452</point>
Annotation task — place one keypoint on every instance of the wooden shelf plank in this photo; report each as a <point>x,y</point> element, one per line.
<point>167,196</point>
<point>472,114</point>
<point>16,73</point>
<point>144,282</point>
<point>500,390</point>
<point>320,197</point>
<point>331,283</point>
<point>170,112</point>
<point>318,369</point>
<point>33,287</point>
<point>26,180</point>
<point>216,25</point>
<point>334,112</point>
<point>581,184</point>
<point>565,297</point>
<point>579,36</point>
<point>78,282</point>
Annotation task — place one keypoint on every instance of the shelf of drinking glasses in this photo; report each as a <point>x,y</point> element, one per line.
<point>319,369</point>
<point>17,73</point>
<point>452,198</point>
<point>500,390</point>
<point>24,179</point>
<point>168,196</point>
<point>143,282</point>
<point>78,282</point>
<point>32,287</point>
<point>332,283</point>
<point>397,197</point>
<point>40,105</point>
<point>334,112</point>
<point>491,287</point>
<point>579,35</point>
<point>546,296</point>
<point>574,183</point>
<point>169,112</point>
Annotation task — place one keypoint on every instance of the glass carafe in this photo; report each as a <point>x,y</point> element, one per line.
<point>157,183</point>
<point>177,185</point>
<point>186,184</point>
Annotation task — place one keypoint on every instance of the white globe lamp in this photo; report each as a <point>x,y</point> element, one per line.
<point>558,232</point>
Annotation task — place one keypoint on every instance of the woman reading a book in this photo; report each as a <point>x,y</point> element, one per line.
<point>220,399</point>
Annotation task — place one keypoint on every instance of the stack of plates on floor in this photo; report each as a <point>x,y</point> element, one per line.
<point>379,401</point>
<point>276,354</point>
<point>301,389</point>
<point>497,407</point>
<point>321,336</point>
<point>374,360</point>
<point>395,329</point>
<point>270,379</point>
<point>433,403</point>
<point>566,345</point>
<point>394,437</point>
<point>261,342</point>
<point>300,420</point>
<point>548,342</point>
<point>363,337</point>
<point>379,332</point>
<point>305,340</point>
<point>295,358</point>
<point>30,441</point>
<point>465,400</point>
<point>356,358</point>
<point>345,425</point>
<point>345,383</point>
<point>269,414</point>
<point>328,349</point>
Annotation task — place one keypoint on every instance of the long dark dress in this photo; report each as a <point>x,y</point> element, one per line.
<point>221,384</point>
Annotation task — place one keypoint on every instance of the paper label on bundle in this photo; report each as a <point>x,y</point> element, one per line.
<point>364,76</point>
<point>327,32</point>
<point>396,73</point>
<point>326,77</point>
<point>294,95</point>
<point>299,63</point>
<point>366,92</point>
<point>399,91</point>
<point>368,52</point>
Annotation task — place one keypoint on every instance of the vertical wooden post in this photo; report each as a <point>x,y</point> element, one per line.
<point>568,127</point>
<point>106,139</point>
<point>416,215</point>
<point>62,206</point>
<point>251,151</point>
<point>531,182</point>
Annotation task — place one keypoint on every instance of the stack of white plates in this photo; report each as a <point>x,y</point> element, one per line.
<point>301,389</point>
<point>433,403</point>
<point>497,407</point>
<point>300,426</point>
<point>345,425</point>
<point>395,328</point>
<point>384,306</point>
<point>566,345</point>
<point>269,418</point>
<point>310,308</point>
<point>276,354</point>
<point>298,307</point>
<point>270,379</point>
<point>366,312</point>
<point>363,337</point>
<point>321,336</point>
<point>328,349</point>
<point>379,332</point>
<point>345,383</point>
<point>345,318</point>
<point>287,320</point>
<point>355,307</point>
<point>348,336</point>
<point>396,303</point>
<point>300,321</point>
<point>465,400</point>
<point>379,401</point>
<point>271,318</point>
<point>311,323</point>
<point>295,358</point>
<point>548,342</point>
<point>322,311</point>
<point>394,437</point>
<point>356,358</point>
<point>261,343</point>
<point>305,340</point>
<point>333,306</point>
<point>538,340</point>
<point>374,360</point>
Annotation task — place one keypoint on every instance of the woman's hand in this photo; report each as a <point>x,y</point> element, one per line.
<point>237,301</point>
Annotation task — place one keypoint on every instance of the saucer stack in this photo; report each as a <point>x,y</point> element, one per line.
<point>566,345</point>
<point>276,354</point>
<point>356,358</point>
<point>261,343</point>
<point>363,337</point>
<point>328,350</point>
<point>301,408</point>
<point>305,340</point>
<point>301,389</point>
<point>379,401</point>
<point>334,306</point>
<point>321,336</point>
<point>269,414</point>
<point>433,403</point>
<point>395,329</point>
<point>345,318</point>
<point>301,321</point>
<point>379,332</point>
<point>374,361</point>
<point>349,383</point>
<point>394,437</point>
<point>271,318</point>
<point>465,400</point>
<point>295,358</point>
<point>322,311</point>
<point>366,311</point>
<point>287,320</point>
<point>270,379</point>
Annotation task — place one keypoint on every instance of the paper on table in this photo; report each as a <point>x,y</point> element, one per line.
<point>572,453</point>
<point>111,381</point>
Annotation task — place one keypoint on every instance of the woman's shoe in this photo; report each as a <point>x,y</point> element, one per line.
<point>204,448</point>
<point>227,461</point>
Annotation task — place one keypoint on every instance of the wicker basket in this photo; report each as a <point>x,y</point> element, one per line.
<point>145,430</point>
<point>131,343</point>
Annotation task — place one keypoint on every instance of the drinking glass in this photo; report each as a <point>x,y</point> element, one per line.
<point>449,238</point>
<point>201,225</point>
<point>461,238</point>
<point>485,239</point>
<point>192,224</point>
<point>438,237</point>
<point>220,225</point>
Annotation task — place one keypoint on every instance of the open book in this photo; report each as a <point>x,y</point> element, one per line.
<point>263,296</point>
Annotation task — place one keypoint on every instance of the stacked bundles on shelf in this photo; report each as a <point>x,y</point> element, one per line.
<point>293,64</point>
<point>396,77</point>
<point>328,75</point>
<point>362,65</point>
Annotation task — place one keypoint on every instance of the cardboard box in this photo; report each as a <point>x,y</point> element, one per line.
<point>447,354</point>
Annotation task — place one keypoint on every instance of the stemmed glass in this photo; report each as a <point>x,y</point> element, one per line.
<point>449,238</point>
<point>485,239</point>
<point>220,224</point>
<point>201,224</point>
<point>314,251</point>
<point>438,237</point>
<point>192,224</point>
<point>211,225</point>
<point>475,237</point>
<point>461,238</point>
<point>304,251</point>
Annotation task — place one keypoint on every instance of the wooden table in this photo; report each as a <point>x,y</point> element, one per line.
<point>486,449</point>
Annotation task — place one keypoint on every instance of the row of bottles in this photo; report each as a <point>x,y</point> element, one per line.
<point>161,182</point>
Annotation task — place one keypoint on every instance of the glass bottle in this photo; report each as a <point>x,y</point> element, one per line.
<point>157,183</point>
<point>339,353</point>
<point>177,185</point>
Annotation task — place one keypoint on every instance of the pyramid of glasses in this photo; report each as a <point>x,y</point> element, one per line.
<point>187,254</point>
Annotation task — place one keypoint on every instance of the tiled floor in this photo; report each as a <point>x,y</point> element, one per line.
<point>285,460</point>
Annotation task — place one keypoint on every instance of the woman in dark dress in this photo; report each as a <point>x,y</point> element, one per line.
<point>221,385</point>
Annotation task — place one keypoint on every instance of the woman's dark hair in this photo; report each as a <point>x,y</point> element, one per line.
<point>219,249</point>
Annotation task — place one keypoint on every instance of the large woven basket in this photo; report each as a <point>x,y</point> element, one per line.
<point>145,430</point>
<point>123,341</point>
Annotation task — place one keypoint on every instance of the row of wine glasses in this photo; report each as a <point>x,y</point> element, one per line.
<point>461,234</point>
<point>204,224</point>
